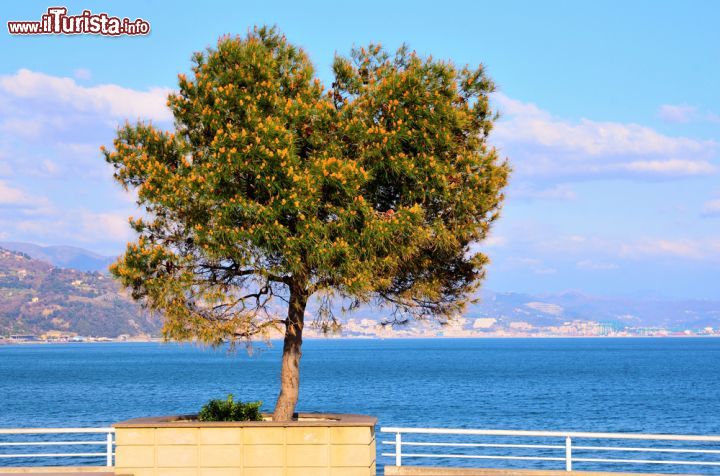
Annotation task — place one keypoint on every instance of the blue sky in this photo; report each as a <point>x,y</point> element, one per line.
<point>611,119</point>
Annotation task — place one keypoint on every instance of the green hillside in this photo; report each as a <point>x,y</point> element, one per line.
<point>36,297</point>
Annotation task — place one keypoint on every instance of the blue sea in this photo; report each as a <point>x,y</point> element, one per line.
<point>640,385</point>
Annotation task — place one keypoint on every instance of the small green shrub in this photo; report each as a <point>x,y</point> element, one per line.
<point>229,410</point>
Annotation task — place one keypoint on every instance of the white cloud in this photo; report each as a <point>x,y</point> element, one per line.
<point>671,168</point>
<point>11,197</point>
<point>494,240</point>
<point>711,208</point>
<point>529,123</point>
<point>82,73</point>
<point>677,113</point>
<point>524,262</point>
<point>116,101</point>
<point>693,249</point>
<point>78,149</point>
<point>51,126</point>
<point>51,129</point>
<point>534,265</point>
<point>684,113</point>
<point>543,146</point>
<point>5,168</point>
<point>536,245</point>
<point>107,231</point>
<point>50,167</point>
<point>528,192</point>
<point>131,197</point>
<point>28,128</point>
<point>632,249</point>
<point>106,226</point>
<point>591,265</point>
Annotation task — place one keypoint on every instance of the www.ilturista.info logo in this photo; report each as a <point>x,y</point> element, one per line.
<point>57,22</point>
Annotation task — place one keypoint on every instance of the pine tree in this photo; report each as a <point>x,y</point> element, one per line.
<point>273,188</point>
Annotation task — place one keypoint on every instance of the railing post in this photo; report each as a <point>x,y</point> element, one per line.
<point>568,454</point>
<point>398,449</point>
<point>109,449</point>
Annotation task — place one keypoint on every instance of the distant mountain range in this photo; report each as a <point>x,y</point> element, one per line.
<point>553,309</point>
<point>37,297</point>
<point>63,256</point>
<point>544,311</point>
<point>68,289</point>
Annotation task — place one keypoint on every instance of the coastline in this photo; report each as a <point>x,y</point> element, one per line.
<point>364,338</point>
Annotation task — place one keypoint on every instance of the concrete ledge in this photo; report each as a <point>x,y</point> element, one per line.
<point>428,471</point>
<point>302,420</point>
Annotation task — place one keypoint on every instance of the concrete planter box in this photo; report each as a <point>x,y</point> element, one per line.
<point>314,445</point>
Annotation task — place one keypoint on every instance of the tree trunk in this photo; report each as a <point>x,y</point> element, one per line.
<point>290,371</point>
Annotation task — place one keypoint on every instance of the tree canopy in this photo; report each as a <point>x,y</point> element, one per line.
<point>273,188</point>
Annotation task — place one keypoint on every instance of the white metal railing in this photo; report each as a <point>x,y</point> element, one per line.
<point>551,452</point>
<point>107,443</point>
